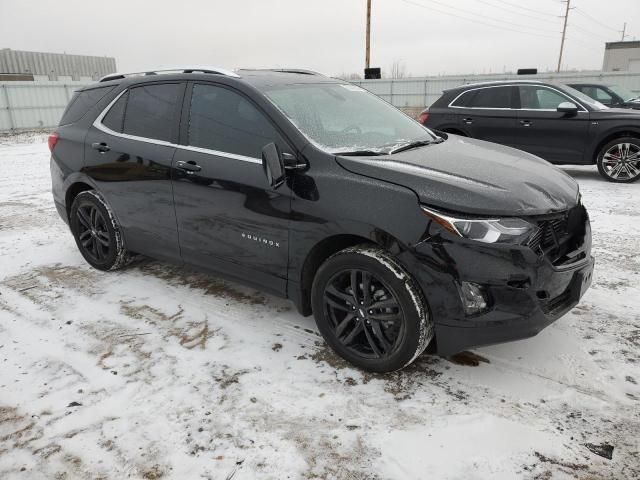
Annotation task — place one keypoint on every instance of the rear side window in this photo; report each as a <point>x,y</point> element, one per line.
<point>81,102</point>
<point>465,99</point>
<point>115,116</point>
<point>493,97</point>
<point>221,119</point>
<point>150,110</point>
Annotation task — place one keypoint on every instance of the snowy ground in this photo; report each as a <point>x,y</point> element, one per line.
<point>160,372</point>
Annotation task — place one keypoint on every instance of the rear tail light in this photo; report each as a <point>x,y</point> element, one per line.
<point>424,116</point>
<point>53,139</point>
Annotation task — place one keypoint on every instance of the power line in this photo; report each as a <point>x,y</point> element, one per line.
<point>584,14</point>
<point>527,9</point>
<point>476,21</point>
<point>475,14</point>
<point>515,12</point>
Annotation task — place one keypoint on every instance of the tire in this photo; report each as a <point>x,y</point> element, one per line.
<point>97,233</point>
<point>389,328</point>
<point>619,160</point>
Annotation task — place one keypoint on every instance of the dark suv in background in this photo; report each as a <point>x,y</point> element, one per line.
<point>552,121</point>
<point>613,96</point>
<point>315,190</point>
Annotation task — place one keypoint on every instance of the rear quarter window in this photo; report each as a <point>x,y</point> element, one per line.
<point>81,103</point>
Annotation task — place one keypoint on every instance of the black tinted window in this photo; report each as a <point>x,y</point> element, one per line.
<point>533,97</point>
<point>150,111</point>
<point>115,116</point>
<point>492,97</point>
<point>464,100</point>
<point>81,102</point>
<point>220,119</point>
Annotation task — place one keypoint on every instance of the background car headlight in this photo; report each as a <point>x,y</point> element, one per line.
<point>509,230</point>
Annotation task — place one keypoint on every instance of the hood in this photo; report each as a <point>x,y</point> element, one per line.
<point>629,114</point>
<point>473,176</point>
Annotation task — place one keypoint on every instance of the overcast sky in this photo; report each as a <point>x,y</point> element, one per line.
<point>324,35</point>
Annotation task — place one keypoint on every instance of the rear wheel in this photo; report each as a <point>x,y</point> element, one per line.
<point>619,160</point>
<point>97,234</point>
<point>370,310</point>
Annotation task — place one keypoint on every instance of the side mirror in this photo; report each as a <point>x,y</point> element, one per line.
<point>568,107</point>
<point>273,165</point>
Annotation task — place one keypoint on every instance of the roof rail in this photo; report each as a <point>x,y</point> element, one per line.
<point>282,70</point>
<point>189,69</point>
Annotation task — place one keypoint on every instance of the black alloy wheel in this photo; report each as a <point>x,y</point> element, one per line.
<point>364,314</point>
<point>92,232</point>
<point>370,310</point>
<point>96,232</point>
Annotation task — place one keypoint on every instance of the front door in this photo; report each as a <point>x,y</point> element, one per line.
<point>230,220</point>
<point>555,136</point>
<point>128,156</point>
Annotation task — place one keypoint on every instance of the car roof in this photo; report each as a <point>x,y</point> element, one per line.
<point>255,77</point>
<point>497,83</point>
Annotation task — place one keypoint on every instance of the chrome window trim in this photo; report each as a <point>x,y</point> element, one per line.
<point>580,106</point>
<point>97,123</point>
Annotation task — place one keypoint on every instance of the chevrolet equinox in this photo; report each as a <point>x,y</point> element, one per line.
<point>396,239</point>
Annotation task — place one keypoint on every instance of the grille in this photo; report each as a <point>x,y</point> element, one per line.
<point>560,235</point>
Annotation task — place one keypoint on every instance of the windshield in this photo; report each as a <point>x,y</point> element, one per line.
<point>622,92</point>
<point>594,104</point>
<point>341,118</point>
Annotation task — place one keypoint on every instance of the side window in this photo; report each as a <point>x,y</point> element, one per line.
<point>492,97</point>
<point>533,97</point>
<point>150,111</point>
<point>464,100</point>
<point>115,116</point>
<point>603,96</point>
<point>221,119</point>
<point>81,102</point>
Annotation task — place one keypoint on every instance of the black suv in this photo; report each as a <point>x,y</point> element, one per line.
<point>316,190</point>
<point>612,96</point>
<point>553,121</point>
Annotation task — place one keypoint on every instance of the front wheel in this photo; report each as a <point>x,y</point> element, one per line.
<point>619,160</point>
<point>369,309</point>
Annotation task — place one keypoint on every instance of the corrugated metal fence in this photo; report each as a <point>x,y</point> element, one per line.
<point>31,105</point>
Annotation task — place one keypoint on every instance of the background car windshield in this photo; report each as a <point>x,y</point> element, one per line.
<point>345,118</point>
<point>594,104</point>
<point>622,92</point>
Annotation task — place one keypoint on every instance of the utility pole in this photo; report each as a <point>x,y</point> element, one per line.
<point>564,33</point>
<point>624,30</point>
<point>368,43</point>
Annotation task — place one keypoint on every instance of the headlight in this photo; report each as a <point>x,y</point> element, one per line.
<point>509,230</point>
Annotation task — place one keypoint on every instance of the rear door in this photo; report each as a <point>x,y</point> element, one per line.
<point>128,154</point>
<point>487,113</point>
<point>542,130</point>
<point>230,220</point>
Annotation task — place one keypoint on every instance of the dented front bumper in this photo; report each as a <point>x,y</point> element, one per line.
<point>525,290</point>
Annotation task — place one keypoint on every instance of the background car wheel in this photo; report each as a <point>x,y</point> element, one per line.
<point>619,160</point>
<point>96,232</point>
<point>370,310</point>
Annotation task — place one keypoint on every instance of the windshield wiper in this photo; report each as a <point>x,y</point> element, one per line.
<point>416,144</point>
<point>359,153</point>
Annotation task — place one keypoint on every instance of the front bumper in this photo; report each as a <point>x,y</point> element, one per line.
<point>526,292</point>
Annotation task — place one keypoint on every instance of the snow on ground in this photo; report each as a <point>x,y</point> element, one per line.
<point>161,372</point>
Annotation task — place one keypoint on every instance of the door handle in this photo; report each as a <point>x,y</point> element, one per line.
<point>100,146</point>
<point>467,121</point>
<point>189,167</point>
<point>526,123</point>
